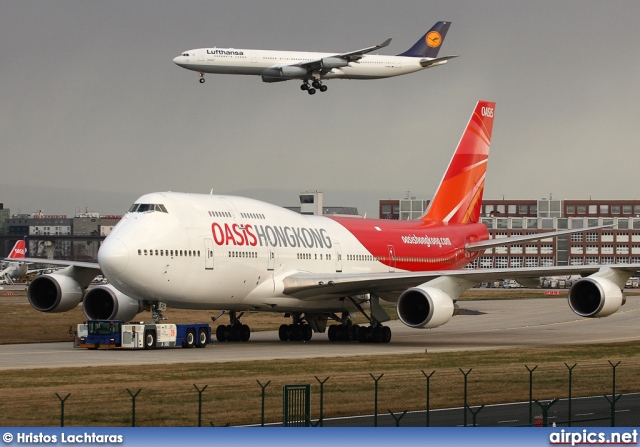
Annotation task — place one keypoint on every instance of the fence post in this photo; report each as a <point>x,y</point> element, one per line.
<point>614,398</point>
<point>428,376</point>
<point>397,419</point>
<point>133,406</point>
<point>375,411</point>
<point>465,394</point>
<point>570,368</point>
<point>531,392</point>
<point>321,420</point>
<point>263,388</point>
<point>474,413</point>
<point>62,408</point>
<point>200,391</point>
<point>545,411</point>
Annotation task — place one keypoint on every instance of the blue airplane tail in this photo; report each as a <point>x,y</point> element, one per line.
<point>430,43</point>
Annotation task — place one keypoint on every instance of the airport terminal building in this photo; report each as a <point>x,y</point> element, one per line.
<point>619,244</point>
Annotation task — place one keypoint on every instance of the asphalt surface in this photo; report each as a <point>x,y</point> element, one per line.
<point>491,324</point>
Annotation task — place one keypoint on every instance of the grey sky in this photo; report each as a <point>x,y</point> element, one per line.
<point>93,112</point>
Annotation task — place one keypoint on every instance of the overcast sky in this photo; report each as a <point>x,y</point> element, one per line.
<point>94,113</point>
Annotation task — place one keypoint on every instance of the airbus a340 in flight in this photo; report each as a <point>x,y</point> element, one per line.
<point>235,254</point>
<point>276,66</point>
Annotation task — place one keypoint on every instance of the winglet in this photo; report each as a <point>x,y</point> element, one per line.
<point>459,196</point>
<point>384,44</point>
<point>19,250</point>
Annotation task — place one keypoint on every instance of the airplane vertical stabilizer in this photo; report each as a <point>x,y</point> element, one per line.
<point>429,44</point>
<point>19,250</point>
<point>459,196</point>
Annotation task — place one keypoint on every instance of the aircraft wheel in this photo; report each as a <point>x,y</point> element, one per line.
<point>231,333</point>
<point>221,333</point>
<point>362,334</point>
<point>304,86</point>
<point>386,334</point>
<point>190,339</point>
<point>283,333</point>
<point>295,333</point>
<point>203,338</point>
<point>353,332</point>
<point>376,335</point>
<point>324,88</point>
<point>201,80</point>
<point>245,333</point>
<point>316,84</point>
<point>333,332</point>
<point>311,91</point>
<point>307,332</point>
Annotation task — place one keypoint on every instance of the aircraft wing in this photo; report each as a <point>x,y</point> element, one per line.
<point>79,264</point>
<point>491,243</point>
<point>351,56</point>
<point>308,286</point>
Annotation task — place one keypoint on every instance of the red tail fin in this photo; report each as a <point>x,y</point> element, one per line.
<point>459,196</point>
<point>19,250</point>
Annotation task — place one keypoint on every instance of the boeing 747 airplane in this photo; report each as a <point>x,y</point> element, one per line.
<point>276,66</point>
<point>237,255</point>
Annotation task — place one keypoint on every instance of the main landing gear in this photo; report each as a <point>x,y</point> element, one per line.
<point>347,331</point>
<point>298,331</point>
<point>311,89</point>
<point>235,331</point>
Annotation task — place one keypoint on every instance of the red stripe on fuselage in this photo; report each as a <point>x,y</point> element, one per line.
<point>417,245</point>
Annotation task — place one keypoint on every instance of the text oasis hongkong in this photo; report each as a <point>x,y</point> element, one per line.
<point>270,235</point>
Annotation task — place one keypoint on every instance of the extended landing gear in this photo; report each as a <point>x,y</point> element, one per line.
<point>298,331</point>
<point>201,77</point>
<point>362,334</point>
<point>235,331</point>
<point>311,89</point>
<point>374,333</point>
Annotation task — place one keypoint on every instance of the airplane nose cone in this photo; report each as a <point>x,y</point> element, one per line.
<point>113,257</point>
<point>178,60</point>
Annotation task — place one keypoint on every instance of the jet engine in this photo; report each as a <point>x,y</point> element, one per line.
<point>595,297</point>
<point>105,302</point>
<point>424,307</point>
<point>54,293</point>
<point>333,62</point>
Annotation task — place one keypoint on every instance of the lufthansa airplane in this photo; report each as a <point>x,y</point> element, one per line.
<point>276,66</point>
<point>237,255</point>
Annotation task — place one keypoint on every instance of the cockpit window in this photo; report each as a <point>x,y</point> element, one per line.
<point>147,207</point>
<point>185,54</point>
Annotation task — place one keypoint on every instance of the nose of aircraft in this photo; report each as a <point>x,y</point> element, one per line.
<point>113,257</point>
<point>178,60</point>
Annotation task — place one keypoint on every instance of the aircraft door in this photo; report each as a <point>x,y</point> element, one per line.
<point>398,62</point>
<point>338,256</point>
<point>271,262</point>
<point>208,254</point>
<point>392,258</point>
<point>201,54</point>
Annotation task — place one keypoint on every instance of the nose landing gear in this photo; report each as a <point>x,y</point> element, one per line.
<point>201,77</point>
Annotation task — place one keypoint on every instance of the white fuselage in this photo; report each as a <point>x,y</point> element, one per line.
<point>259,62</point>
<point>229,251</point>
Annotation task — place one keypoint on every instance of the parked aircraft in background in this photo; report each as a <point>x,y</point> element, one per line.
<point>276,66</point>
<point>235,254</point>
<point>14,270</point>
